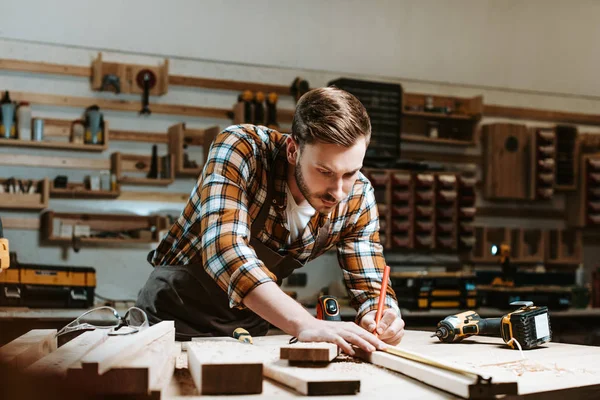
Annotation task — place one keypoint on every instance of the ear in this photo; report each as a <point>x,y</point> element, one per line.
<point>292,150</point>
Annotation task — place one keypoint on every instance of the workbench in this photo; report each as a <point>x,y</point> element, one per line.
<point>576,326</point>
<point>551,368</point>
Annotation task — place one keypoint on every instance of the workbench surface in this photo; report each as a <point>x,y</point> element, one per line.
<point>552,367</point>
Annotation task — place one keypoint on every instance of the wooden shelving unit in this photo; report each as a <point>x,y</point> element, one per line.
<point>141,229</point>
<point>60,130</point>
<point>180,136</point>
<point>123,163</point>
<point>565,247</point>
<point>26,202</point>
<point>423,210</point>
<point>76,190</point>
<point>440,119</point>
<point>585,201</point>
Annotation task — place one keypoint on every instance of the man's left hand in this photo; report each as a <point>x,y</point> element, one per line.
<point>390,328</point>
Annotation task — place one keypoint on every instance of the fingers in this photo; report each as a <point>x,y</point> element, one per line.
<point>368,336</point>
<point>396,339</point>
<point>342,344</point>
<point>356,340</point>
<point>368,321</point>
<point>392,332</point>
<point>388,317</point>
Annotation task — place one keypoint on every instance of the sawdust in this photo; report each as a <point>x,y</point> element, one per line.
<point>520,367</point>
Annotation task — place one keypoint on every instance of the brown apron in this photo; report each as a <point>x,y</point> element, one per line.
<point>187,295</point>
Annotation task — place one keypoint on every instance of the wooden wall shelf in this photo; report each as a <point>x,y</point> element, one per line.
<point>79,191</point>
<point>56,145</point>
<point>26,202</point>
<point>179,136</point>
<point>141,229</point>
<point>127,74</point>
<point>123,163</point>
<point>409,137</point>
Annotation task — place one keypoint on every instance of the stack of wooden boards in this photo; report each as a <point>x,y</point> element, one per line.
<point>93,364</point>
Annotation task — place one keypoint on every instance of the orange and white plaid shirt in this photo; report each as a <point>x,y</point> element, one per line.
<point>214,227</point>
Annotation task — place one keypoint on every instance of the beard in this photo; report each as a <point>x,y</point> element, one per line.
<point>314,199</point>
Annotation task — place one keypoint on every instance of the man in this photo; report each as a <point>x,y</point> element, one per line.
<point>267,203</point>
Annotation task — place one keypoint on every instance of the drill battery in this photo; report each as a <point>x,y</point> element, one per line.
<point>529,325</point>
<point>435,290</point>
<point>47,286</point>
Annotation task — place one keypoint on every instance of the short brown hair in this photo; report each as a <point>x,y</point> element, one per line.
<point>330,115</point>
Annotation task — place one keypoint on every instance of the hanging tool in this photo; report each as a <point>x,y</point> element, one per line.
<point>509,271</point>
<point>529,326</point>
<point>328,308</point>
<point>111,80</point>
<point>153,173</point>
<point>4,252</point>
<point>242,335</point>
<point>246,98</point>
<point>8,126</point>
<point>259,108</point>
<point>94,125</point>
<point>298,88</point>
<point>146,80</point>
<point>271,119</point>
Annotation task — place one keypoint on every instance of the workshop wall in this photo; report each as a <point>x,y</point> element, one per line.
<point>122,271</point>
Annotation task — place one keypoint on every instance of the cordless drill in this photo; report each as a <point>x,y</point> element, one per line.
<point>529,326</point>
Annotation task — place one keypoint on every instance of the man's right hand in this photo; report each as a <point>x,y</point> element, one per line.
<point>343,334</point>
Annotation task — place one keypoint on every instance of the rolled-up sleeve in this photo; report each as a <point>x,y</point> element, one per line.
<point>225,220</point>
<point>360,255</point>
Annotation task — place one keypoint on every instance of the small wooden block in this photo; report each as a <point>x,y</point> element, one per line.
<point>309,352</point>
<point>224,367</point>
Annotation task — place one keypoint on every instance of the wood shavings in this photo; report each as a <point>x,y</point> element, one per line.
<point>520,367</point>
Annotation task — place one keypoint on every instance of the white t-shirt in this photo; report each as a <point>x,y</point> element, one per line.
<point>297,216</point>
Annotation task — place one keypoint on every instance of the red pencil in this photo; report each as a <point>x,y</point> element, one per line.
<point>381,304</point>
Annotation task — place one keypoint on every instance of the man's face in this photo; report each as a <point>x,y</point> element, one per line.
<point>325,173</point>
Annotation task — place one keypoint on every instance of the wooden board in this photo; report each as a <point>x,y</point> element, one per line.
<point>28,348</point>
<point>312,381</point>
<point>117,348</point>
<point>552,367</point>
<point>143,371</point>
<point>224,367</point>
<point>309,352</point>
<point>58,362</point>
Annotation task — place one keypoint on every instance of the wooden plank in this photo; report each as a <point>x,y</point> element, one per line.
<point>133,136</point>
<point>418,155</point>
<point>45,68</point>
<point>162,197</point>
<point>119,105</point>
<point>521,212</point>
<point>21,223</point>
<point>139,373</point>
<point>117,348</point>
<point>223,84</point>
<point>311,381</point>
<point>571,369</point>
<point>309,352</point>
<point>491,110</point>
<point>27,160</point>
<point>58,362</point>
<point>224,367</point>
<point>458,384</point>
<point>28,348</point>
<point>57,145</point>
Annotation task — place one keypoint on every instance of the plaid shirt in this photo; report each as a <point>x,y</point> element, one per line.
<point>214,227</point>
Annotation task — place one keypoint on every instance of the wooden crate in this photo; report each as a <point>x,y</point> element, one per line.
<point>22,201</point>
<point>78,190</point>
<point>179,136</point>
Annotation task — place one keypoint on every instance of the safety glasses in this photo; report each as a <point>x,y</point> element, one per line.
<point>106,317</point>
